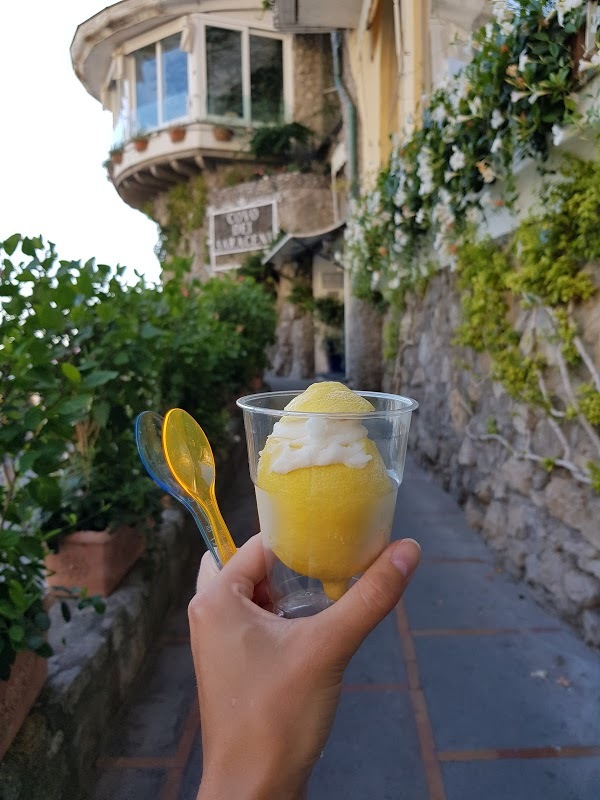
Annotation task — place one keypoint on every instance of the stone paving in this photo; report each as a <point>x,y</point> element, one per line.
<point>468,691</point>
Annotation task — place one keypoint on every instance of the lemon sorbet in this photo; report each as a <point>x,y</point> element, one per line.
<point>325,497</point>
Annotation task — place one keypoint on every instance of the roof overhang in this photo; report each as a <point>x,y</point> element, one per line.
<point>292,246</point>
<point>99,38</point>
<point>313,16</point>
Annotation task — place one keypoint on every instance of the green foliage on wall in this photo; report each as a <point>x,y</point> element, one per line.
<point>510,102</point>
<point>186,209</point>
<point>544,272</point>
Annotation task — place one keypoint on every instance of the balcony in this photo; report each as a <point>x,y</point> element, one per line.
<point>141,175</point>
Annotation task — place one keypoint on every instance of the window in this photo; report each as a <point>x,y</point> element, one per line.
<point>224,93</point>
<point>244,75</point>
<point>161,83</point>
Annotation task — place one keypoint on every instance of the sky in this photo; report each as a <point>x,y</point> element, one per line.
<point>53,139</point>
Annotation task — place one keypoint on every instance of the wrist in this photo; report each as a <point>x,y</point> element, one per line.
<point>243,781</point>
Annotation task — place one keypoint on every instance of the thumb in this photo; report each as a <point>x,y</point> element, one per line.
<point>373,596</point>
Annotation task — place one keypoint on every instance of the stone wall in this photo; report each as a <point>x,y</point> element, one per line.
<point>314,104</point>
<point>544,525</point>
<point>96,661</point>
<point>293,354</point>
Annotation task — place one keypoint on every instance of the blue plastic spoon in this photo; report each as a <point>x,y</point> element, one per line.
<point>148,437</point>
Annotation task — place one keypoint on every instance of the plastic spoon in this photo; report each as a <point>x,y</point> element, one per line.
<point>148,437</point>
<point>191,461</point>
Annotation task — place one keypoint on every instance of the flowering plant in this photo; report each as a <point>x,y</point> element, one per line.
<point>507,104</point>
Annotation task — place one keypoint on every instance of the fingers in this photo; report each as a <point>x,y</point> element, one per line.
<point>208,571</point>
<point>371,598</point>
<point>247,567</point>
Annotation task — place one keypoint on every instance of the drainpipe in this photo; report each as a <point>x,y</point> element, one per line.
<point>350,114</point>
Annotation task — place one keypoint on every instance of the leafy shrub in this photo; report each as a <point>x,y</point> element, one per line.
<point>81,354</point>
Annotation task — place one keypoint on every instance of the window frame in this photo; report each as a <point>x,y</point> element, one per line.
<point>155,37</point>
<point>197,100</point>
<point>246,31</point>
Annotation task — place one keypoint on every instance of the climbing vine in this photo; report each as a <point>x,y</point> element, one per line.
<point>520,305</point>
<point>185,210</point>
<point>510,102</point>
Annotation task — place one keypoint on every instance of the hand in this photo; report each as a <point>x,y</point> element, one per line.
<point>269,687</point>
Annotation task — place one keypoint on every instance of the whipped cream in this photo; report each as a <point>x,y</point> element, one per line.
<point>317,442</point>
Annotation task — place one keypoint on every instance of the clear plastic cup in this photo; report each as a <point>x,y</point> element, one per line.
<point>322,525</point>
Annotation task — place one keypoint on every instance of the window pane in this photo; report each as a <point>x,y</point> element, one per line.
<point>224,73</point>
<point>175,79</point>
<point>266,78</point>
<point>146,88</point>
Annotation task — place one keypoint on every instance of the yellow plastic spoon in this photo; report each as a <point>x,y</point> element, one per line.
<point>190,459</point>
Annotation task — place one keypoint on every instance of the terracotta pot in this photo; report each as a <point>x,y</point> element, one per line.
<point>222,134</point>
<point>18,694</point>
<point>140,144</point>
<point>177,134</point>
<point>116,157</point>
<point>98,560</point>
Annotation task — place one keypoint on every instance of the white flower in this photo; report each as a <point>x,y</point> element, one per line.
<point>448,175</point>
<point>534,96</point>
<point>399,198</point>
<point>398,218</point>
<point>457,160</point>
<point>475,106</point>
<point>486,172</point>
<point>497,119</point>
<point>420,217</point>
<point>444,196</point>
<point>564,6</point>
<point>558,134</point>
<point>516,96</point>
<point>496,145</point>
<point>507,28</point>
<point>591,64</point>
<point>523,61</point>
<point>375,280</point>
<point>474,215</point>
<point>439,114</point>
<point>400,238</point>
<point>425,172</point>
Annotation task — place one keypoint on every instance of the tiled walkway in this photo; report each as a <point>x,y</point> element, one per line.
<point>469,691</point>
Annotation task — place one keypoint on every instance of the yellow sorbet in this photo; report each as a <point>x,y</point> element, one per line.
<point>331,520</point>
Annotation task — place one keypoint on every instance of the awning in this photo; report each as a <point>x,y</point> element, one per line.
<point>292,246</point>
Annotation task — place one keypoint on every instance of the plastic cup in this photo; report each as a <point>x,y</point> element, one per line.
<point>322,525</point>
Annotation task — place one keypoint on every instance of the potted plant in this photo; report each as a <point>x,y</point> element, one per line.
<point>177,133</point>
<point>140,141</point>
<point>116,154</point>
<point>222,133</point>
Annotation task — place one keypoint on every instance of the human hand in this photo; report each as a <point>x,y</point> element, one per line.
<point>269,687</point>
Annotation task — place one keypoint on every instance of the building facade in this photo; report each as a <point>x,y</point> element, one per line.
<point>192,87</point>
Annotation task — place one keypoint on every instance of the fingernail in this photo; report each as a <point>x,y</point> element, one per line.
<point>405,556</point>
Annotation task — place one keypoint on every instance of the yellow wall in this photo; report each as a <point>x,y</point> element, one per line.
<point>387,93</point>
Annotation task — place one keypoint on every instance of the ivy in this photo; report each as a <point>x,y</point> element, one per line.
<point>185,211</point>
<point>510,102</point>
<point>544,269</point>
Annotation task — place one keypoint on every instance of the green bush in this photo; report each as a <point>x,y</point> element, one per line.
<point>81,355</point>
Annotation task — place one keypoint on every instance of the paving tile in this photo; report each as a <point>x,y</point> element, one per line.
<point>550,779</point>
<point>379,658</point>
<point>153,721</point>
<point>419,495</point>
<point>129,784</point>
<point>373,752</point>
<point>481,693</point>
<point>193,771</point>
<point>470,595</point>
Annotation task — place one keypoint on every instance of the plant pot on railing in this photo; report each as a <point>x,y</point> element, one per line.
<point>96,560</point>
<point>140,142</point>
<point>223,133</point>
<point>116,155</point>
<point>177,133</point>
